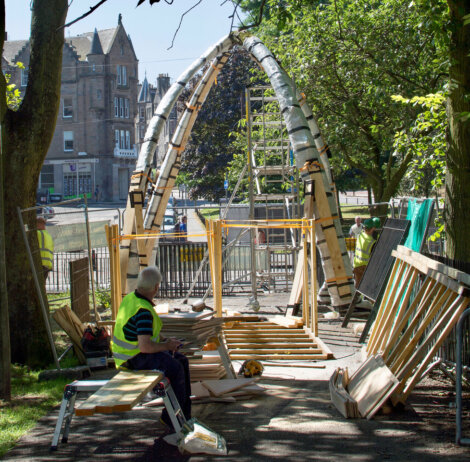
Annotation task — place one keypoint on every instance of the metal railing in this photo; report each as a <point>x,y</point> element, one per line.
<point>58,280</point>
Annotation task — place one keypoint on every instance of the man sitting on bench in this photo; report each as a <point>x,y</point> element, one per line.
<point>137,344</point>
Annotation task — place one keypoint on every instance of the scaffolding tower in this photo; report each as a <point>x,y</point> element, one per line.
<point>274,191</point>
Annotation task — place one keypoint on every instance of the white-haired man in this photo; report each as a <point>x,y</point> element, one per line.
<point>137,344</point>
<point>357,228</point>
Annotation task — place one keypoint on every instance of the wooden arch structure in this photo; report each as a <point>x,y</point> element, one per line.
<point>310,151</point>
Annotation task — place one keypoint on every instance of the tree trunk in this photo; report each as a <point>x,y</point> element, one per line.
<point>5,382</point>
<point>28,133</point>
<point>457,200</point>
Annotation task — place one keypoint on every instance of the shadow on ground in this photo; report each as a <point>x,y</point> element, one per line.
<point>294,421</point>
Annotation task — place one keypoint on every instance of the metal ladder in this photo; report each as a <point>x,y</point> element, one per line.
<point>67,407</point>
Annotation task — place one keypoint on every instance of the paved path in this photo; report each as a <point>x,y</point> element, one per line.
<point>293,421</point>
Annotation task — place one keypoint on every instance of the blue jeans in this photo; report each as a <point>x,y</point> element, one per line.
<point>176,370</point>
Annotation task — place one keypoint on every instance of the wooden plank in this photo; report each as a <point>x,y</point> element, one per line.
<point>265,345</point>
<point>220,387</point>
<point>427,349</point>
<point>318,341</point>
<point>414,335</point>
<point>275,351</point>
<point>79,288</point>
<point>371,384</point>
<point>385,309</point>
<point>305,286</point>
<point>296,291</point>
<point>121,393</point>
<point>409,337</point>
<point>261,332</point>
<point>279,356</point>
<point>426,290</point>
<point>73,327</point>
<point>314,281</point>
<point>268,339</point>
<point>199,390</point>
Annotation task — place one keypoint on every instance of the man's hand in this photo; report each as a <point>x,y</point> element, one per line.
<point>173,344</point>
<point>147,345</point>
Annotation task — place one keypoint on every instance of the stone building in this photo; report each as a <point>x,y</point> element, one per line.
<point>94,144</point>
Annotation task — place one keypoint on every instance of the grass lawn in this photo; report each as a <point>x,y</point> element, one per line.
<point>210,214</point>
<point>30,401</point>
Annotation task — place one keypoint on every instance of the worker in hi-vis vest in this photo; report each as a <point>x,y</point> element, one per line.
<point>137,344</point>
<point>46,247</point>
<point>364,245</point>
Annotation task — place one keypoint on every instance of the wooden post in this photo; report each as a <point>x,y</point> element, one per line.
<point>112,237</point>
<point>217,289</point>
<point>305,298</point>
<point>117,271</point>
<point>313,278</point>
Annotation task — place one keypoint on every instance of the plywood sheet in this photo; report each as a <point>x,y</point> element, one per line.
<point>371,385</point>
<point>221,387</point>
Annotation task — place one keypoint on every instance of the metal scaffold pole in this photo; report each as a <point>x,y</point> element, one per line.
<point>254,301</point>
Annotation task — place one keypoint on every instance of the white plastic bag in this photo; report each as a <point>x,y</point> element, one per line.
<point>195,437</point>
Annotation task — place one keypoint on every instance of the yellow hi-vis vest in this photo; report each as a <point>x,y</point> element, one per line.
<point>122,348</point>
<point>46,247</point>
<point>364,245</point>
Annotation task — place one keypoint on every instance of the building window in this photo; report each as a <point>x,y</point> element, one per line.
<point>116,106</point>
<point>93,67</point>
<point>68,141</point>
<point>128,139</point>
<point>142,131</point>
<point>142,113</point>
<point>121,107</point>
<point>126,108</point>
<point>116,138</point>
<point>46,177</point>
<point>124,75</point>
<point>24,77</point>
<point>99,94</point>
<point>149,113</point>
<point>121,75</point>
<point>68,108</point>
<point>70,184</point>
<point>122,140</point>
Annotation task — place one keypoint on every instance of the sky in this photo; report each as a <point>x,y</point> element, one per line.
<point>151,28</point>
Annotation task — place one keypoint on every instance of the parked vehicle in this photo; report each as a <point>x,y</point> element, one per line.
<point>45,211</point>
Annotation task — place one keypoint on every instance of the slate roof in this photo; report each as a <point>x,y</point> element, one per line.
<point>96,48</point>
<point>144,94</point>
<point>12,48</point>
<point>82,44</point>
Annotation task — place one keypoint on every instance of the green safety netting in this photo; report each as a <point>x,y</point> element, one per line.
<point>419,214</point>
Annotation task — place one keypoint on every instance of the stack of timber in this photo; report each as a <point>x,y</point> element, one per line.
<point>268,340</point>
<point>73,327</point>
<point>422,303</point>
<point>194,329</point>
<point>206,366</point>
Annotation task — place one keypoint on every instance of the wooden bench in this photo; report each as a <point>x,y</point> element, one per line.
<point>119,394</point>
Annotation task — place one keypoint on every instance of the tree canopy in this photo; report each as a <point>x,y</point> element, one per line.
<point>210,148</point>
<point>350,58</point>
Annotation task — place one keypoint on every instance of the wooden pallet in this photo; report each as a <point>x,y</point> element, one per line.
<point>270,341</point>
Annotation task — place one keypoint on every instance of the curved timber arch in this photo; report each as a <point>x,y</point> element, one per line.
<point>310,151</point>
